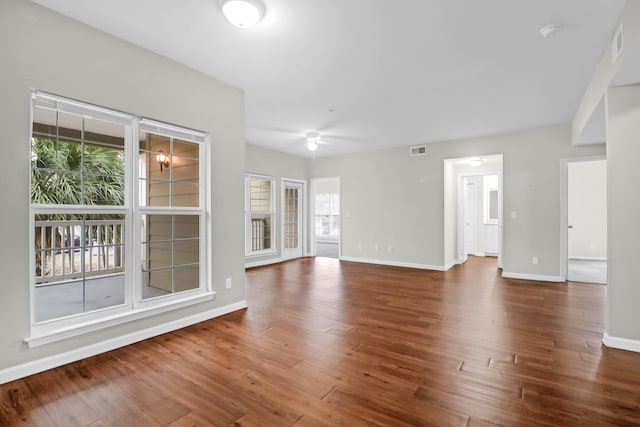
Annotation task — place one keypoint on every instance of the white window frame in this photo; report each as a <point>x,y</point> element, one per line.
<point>134,307</point>
<point>247,216</point>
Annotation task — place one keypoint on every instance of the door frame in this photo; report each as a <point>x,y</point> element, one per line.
<point>302,215</point>
<point>564,209</point>
<point>312,214</point>
<point>462,258</point>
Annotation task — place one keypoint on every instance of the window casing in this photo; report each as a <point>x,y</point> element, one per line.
<point>259,215</point>
<point>112,236</point>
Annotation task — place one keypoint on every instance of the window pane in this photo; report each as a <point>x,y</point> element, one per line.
<point>170,242</point>
<point>73,166</point>
<point>156,255</point>
<point>187,226</point>
<point>79,263</point>
<point>186,251</point>
<point>186,148</point>
<point>260,195</point>
<point>260,232</point>
<point>186,278</point>
<point>169,172</point>
<point>184,194</point>
<point>157,192</point>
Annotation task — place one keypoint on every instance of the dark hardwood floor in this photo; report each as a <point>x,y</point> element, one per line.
<point>330,343</point>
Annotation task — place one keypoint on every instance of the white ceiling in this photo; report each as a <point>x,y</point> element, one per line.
<point>370,74</point>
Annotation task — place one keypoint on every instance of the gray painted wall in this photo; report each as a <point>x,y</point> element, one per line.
<point>623,251</point>
<point>43,50</point>
<point>391,199</point>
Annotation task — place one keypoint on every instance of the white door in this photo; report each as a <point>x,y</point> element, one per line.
<point>470,218</point>
<point>292,216</point>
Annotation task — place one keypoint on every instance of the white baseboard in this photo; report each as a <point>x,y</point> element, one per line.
<point>450,265</point>
<point>589,258</point>
<point>621,343</point>
<point>535,277</point>
<point>398,263</point>
<point>479,254</point>
<point>263,262</point>
<point>23,370</point>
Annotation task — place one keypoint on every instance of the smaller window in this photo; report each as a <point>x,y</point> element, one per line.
<point>259,214</point>
<point>327,216</point>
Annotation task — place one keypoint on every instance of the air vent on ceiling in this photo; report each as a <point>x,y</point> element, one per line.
<point>618,43</point>
<point>418,150</point>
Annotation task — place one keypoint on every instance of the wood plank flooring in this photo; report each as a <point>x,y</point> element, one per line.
<point>329,343</point>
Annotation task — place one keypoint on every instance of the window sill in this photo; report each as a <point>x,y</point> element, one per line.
<point>261,253</point>
<point>39,338</point>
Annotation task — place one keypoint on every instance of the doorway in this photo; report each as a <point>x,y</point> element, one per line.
<point>585,226</point>
<point>473,208</point>
<point>292,219</point>
<point>326,220</point>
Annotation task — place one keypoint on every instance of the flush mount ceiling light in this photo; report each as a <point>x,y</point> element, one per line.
<point>549,30</point>
<point>475,162</point>
<point>243,13</point>
<point>312,141</point>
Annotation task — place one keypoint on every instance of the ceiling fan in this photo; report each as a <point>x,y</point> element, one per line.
<point>313,140</point>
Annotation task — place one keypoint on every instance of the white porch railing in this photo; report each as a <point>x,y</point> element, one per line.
<point>67,250</point>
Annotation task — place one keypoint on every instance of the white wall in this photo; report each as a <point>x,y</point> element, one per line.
<point>606,69</point>
<point>623,190</point>
<point>43,50</point>
<point>278,165</point>
<point>587,209</point>
<point>398,201</point>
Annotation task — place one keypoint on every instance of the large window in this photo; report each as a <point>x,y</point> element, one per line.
<point>259,215</point>
<point>117,210</point>
<point>327,216</point>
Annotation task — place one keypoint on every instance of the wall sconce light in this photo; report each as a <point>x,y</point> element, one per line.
<point>163,159</point>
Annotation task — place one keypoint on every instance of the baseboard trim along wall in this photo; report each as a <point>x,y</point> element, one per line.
<point>534,277</point>
<point>400,263</point>
<point>263,262</point>
<point>589,258</point>
<point>621,343</point>
<point>36,366</point>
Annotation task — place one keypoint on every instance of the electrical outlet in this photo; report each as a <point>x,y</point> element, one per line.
<point>228,283</point>
<point>377,248</point>
<point>389,248</point>
<point>359,245</point>
<point>534,260</point>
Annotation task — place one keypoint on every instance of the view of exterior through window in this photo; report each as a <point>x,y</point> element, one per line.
<point>327,215</point>
<point>259,215</point>
<point>93,222</point>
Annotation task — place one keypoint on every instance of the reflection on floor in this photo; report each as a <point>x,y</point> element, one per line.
<point>588,271</point>
<point>327,249</point>
<point>55,301</point>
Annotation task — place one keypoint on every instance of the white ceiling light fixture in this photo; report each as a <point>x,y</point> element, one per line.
<point>312,141</point>
<point>549,30</point>
<point>475,162</point>
<point>243,13</point>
